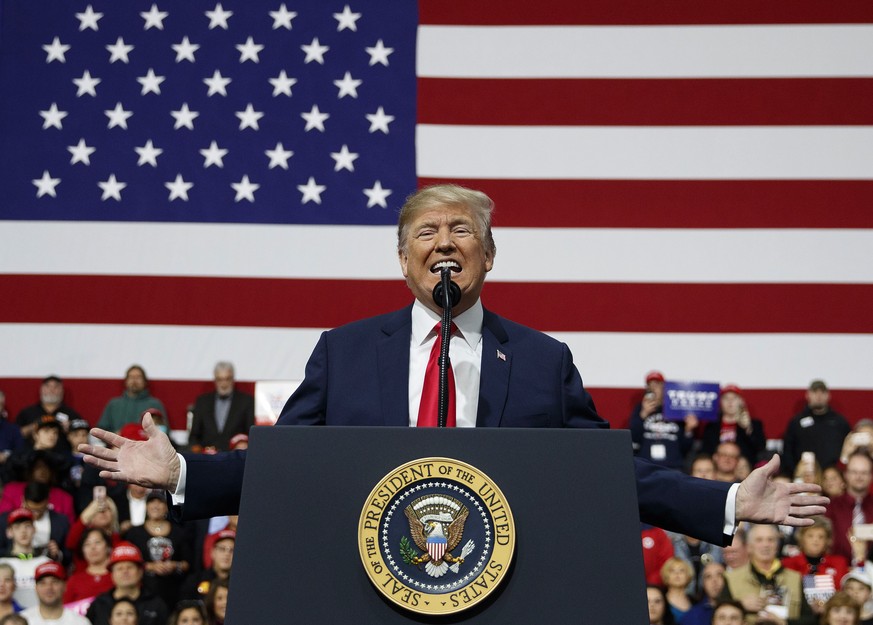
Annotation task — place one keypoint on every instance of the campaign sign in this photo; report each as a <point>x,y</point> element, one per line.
<point>684,398</point>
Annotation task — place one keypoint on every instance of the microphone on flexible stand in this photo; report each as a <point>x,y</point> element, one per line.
<point>446,294</point>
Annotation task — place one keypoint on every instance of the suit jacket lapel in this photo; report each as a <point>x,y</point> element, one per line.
<point>392,355</point>
<point>496,365</point>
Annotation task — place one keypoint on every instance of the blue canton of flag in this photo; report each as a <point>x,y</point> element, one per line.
<point>294,112</point>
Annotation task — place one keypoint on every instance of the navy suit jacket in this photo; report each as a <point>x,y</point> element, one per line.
<point>358,374</point>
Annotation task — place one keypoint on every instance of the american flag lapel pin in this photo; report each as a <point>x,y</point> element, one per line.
<point>501,355</point>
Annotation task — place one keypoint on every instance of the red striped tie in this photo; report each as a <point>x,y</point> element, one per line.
<point>429,407</point>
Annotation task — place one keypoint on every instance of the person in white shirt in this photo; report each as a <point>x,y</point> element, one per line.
<point>51,579</point>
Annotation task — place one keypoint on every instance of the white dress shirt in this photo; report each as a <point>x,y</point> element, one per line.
<point>465,352</point>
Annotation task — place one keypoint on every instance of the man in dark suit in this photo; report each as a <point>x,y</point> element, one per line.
<point>221,414</point>
<point>371,372</point>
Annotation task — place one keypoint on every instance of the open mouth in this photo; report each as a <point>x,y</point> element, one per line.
<point>437,267</point>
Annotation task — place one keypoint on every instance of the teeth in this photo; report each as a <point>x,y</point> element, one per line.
<point>446,263</point>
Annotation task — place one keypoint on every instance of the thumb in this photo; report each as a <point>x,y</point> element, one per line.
<point>772,467</point>
<point>148,424</point>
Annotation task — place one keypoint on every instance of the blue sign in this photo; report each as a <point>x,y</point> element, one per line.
<point>682,399</point>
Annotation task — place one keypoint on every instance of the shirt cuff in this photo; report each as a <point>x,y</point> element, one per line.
<point>730,510</point>
<point>178,495</point>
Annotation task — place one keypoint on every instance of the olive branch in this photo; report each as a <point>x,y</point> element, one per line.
<point>406,551</point>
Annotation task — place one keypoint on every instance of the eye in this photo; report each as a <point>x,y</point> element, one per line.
<point>426,234</point>
<point>462,231</point>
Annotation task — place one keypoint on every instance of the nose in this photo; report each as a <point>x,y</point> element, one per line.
<point>444,239</point>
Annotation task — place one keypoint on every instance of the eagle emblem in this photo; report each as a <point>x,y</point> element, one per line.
<point>436,523</point>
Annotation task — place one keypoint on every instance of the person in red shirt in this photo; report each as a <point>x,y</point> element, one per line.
<point>815,557</point>
<point>855,507</point>
<point>657,549</point>
<point>95,547</point>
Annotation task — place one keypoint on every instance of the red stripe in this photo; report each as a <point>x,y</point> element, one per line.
<point>594,307</point>
<point>198,301</point>
<point>773,406</point>
<point>646,102</point>
<point>642,12</point>
<point>677,203</point>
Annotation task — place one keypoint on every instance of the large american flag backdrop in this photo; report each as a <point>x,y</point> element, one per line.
<point>685,186</point>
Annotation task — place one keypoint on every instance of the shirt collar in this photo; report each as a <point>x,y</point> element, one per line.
<point>469,323</point>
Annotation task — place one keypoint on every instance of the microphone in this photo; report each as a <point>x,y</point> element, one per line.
<point>446,291</point>
<point>446,294</point>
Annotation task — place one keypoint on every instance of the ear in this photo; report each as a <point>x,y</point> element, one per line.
<point>489,261</point>
<point>403,257</point>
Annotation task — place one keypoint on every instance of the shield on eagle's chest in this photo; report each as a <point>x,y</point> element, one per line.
<point>436,547</point>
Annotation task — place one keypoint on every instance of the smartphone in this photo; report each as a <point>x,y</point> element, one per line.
<point>863,531</point>
<point>861,439</point>
<point>100,494</point>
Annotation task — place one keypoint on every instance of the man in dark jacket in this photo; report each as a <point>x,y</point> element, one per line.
<point>817,429</point>
<point>126,568</point>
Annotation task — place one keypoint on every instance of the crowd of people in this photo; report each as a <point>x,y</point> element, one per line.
<point>78,549</point>
<point>770,574</point>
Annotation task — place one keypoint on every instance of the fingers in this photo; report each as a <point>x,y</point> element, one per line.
<point>809,500</point>
<point>801,516</point>
<point>804,488</point>
<point>806,511</point>
<point>113,475</point>
<point>110,438</point>
<point>101,463</point>
<point>104,453</point>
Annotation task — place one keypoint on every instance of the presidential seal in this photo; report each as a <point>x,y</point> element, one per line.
<point>436,536</point>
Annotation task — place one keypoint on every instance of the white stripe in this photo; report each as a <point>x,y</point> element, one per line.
<point>524,254</point>
<point>610,359</point>
<point>623,152</point>
<point>234,250</point>
<point>645,51</point>
<point>605,359</point>
<point>168,352</point>
<point>684,256</point>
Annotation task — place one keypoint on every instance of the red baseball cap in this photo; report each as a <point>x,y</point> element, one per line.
<point>18,515</point>
<point>654,376</point>
<point>224,535</point>
<point>134,432</point>
<point>125,552</point>
<point>47,569</point>
<point>731,388</point>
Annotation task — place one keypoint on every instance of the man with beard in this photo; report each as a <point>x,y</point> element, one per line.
<point>136,398</point>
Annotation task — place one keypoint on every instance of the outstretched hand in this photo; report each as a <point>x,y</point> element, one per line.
<point>151,463</point>
<point>761,499</point>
